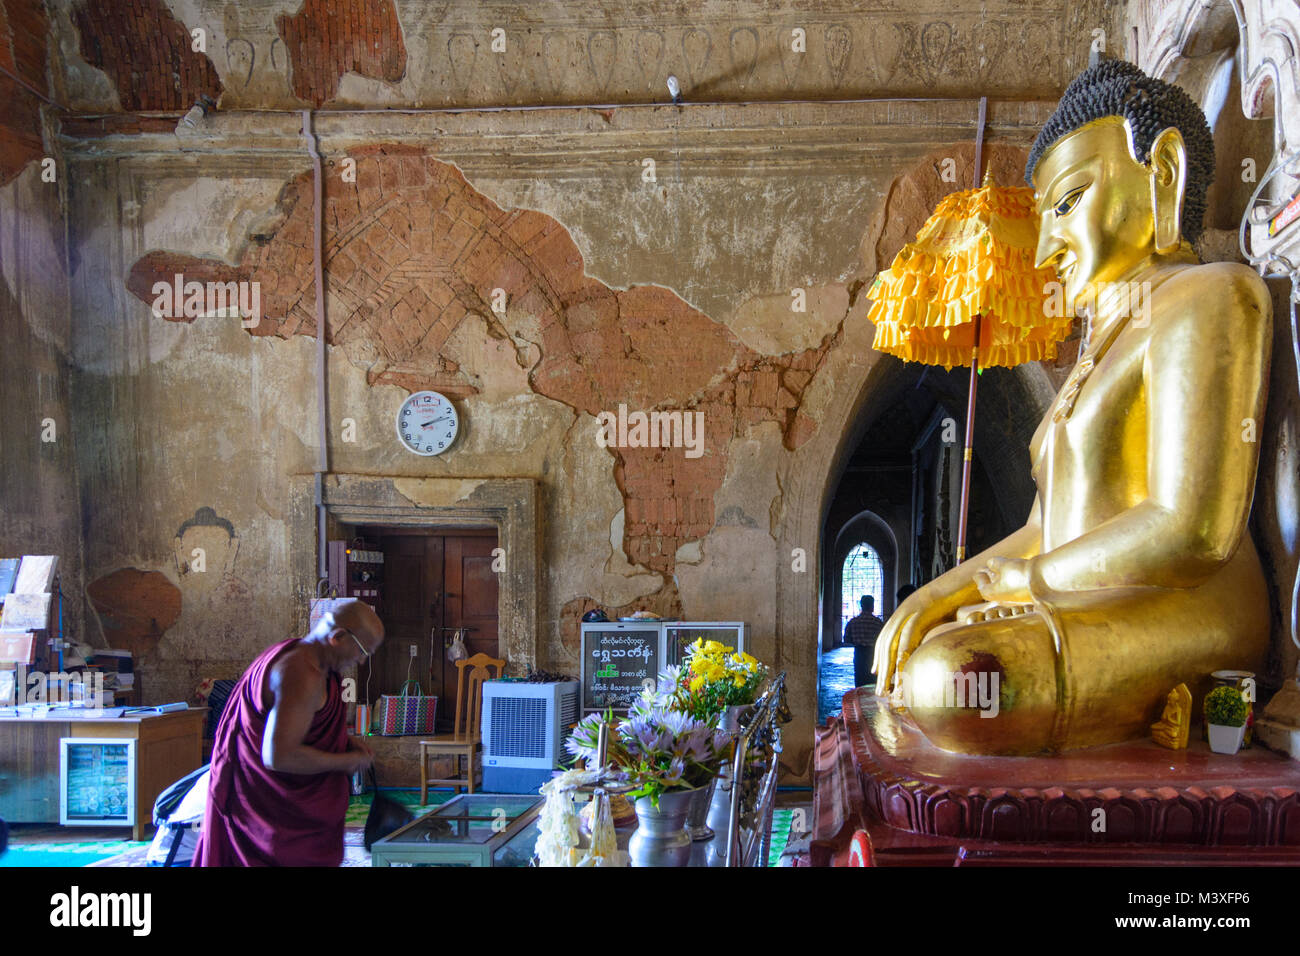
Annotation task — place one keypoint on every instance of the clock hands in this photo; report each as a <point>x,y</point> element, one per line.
<point>427,423</point>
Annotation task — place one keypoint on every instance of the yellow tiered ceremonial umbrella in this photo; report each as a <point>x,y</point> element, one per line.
<point>966,292</point>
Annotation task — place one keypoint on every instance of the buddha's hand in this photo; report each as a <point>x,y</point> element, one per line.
<point>902,634</point>
<point>1004,581</point>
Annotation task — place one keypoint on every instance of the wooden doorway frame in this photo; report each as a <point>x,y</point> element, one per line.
<point>511,505</point>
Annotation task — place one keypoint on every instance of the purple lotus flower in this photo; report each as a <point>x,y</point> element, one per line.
<point>582,742</point>
<point>639,735</point>
<point>674,722</point>
<point>676,770</point>
<point>670,678</point>
<point>698,745</point>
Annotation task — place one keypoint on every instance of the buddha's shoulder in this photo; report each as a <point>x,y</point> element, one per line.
<point>1218,282</point>
<point>1227,293</point>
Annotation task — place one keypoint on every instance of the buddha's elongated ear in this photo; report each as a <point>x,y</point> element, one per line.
<point>1168,165</point>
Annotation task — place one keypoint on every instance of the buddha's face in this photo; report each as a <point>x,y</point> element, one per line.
<point>1094,198</point>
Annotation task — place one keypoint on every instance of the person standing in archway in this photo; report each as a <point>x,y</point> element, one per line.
<point>862,632</point>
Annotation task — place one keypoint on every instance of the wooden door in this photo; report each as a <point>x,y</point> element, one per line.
<point>412,577</point>
<point>470,601</point>
<point>432,584</point>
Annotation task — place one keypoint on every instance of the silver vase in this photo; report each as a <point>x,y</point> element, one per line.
<point>719,813</point>
<point>730,719</point>
<point>696,819</point>
<point>661,838</point>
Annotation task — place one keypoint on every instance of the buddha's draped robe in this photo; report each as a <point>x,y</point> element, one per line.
<point>261,817</point>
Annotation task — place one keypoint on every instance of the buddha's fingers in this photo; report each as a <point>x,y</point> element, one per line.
<point>883,665</point>
<point>896,653</point>
<point>909,639</point>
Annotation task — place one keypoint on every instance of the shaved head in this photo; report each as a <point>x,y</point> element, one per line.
<point>360,618</point>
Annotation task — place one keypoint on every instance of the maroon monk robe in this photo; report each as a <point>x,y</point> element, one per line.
<point>261,817</point>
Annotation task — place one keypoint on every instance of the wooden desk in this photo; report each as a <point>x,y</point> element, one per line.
<point>168,746</point>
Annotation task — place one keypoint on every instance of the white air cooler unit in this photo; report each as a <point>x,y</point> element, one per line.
<point>523,728</point>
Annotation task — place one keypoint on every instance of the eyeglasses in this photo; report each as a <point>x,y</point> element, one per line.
<point>358,640</point>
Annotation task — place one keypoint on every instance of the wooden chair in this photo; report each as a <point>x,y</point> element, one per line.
<point>463,741</point>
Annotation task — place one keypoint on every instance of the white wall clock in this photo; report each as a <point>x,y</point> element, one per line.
<point>427,423</point>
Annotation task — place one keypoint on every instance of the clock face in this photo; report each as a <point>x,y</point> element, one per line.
<point>427,423</point>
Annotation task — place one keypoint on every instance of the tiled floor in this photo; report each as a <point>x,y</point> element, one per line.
<point>37,833</point>
<point>835,679</point>
<point>42,845</point>
<point>48,845</point>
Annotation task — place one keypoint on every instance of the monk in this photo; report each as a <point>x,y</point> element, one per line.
<point>280,764</point>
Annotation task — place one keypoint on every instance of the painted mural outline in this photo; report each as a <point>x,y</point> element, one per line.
<point>412,249</point>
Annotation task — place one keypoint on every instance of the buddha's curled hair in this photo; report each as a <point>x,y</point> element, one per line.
<point>1118,88</point>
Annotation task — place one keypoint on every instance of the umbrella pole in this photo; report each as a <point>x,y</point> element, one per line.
<point>970,443</point>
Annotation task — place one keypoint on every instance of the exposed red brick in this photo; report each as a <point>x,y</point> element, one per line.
<point>135,608</point>
<point>23,30</point>
<point>667,477</point>
<point>327,38</point>
<point>801,429</point>
<point>146,52</point>
<point>419,249</point>
<point>665,602</point>
<point>20,139</point>
<point>164,266</point>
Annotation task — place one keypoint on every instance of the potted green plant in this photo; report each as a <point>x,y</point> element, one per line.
<point>1225,712</point>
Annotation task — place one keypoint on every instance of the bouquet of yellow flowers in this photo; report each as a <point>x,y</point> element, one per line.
<point>717,677</point>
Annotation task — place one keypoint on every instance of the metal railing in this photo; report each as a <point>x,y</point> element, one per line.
<point>753,794</point>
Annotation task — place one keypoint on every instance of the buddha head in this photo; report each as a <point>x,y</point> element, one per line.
<point>1120,172</point>
<point>205,548</point>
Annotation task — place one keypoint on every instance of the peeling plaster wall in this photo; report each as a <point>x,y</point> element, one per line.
<point>197,426</point>
<point>39,506</point>
<point>285,54</point>
<point>40,511</point>
<point>183,437</point>
<point>671,292</point>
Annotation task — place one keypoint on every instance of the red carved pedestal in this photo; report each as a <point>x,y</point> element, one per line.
<point>1127,803</point>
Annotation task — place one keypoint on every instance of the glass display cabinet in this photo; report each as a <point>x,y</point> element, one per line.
<point>682,634</point>
<point>470,829</point>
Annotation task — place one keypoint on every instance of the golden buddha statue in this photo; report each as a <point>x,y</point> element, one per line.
<point>1135,570</point>
<point>1174,727</point>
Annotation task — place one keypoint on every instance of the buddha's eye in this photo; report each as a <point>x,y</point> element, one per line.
<point>1069,201</point>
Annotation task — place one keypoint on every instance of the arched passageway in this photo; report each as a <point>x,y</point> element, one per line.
<point>897,493</point>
